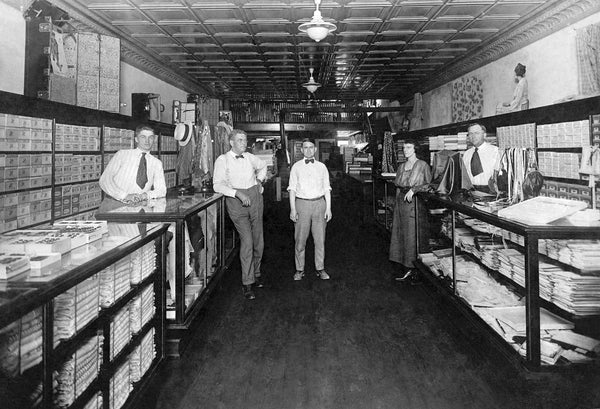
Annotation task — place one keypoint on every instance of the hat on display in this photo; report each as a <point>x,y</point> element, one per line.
<point>183,133</point>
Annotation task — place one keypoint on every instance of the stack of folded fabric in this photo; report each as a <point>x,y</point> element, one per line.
<point>135,314</point>
<point>9,349</point>
<point>75,308</point>
<point>148,259</point>
<point>135,273</point>
<point>510,259</point>
<point>114,282</point>
<point>119,387</point>
<point>148,308</point>
<point>148,352</point>
<point>31,339</point>
<point>135,365</point>
<point>581,254</point>
<point>73,377</point>
<point>119,331</point>
<point>576,293</point>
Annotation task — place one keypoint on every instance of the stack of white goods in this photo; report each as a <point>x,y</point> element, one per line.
<point>135,365</point>
<point>576,293</point>
<point>581,254</point>
<point>31,339</point>
<point>114,282</point>
<point>148,351</point>
<point>135,314</point>
<point>75,308</point>
<point>119,387</point>
<point>77,373</point>
<point>148,307</point>
<point>465,238</point>
<point>135,273</point>
<point>481,226</point>
<point>148,259</point>
<point>514,237</point>
<point>13,265</point>
<point>9,349</point>
<point>510,259</point>
<point>436,143</point>
<point>120,333</point>
<point>95,402</point>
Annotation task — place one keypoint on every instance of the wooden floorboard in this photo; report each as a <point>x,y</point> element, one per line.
<point>357,341</point>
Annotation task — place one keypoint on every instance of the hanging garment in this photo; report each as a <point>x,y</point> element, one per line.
<point>388,163</point>
<point>184,166</point>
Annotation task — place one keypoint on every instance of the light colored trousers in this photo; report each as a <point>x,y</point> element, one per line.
<point>311,219</point>
<point>248,222</point>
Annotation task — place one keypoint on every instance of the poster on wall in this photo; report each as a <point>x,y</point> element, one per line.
<point>467,99</point>
<point>63,54</point>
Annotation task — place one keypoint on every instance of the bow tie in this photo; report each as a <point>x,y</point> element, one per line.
<point>309,161</point>
<point>239,156</point>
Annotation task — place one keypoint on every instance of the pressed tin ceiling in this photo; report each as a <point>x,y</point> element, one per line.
<point>252,49</point>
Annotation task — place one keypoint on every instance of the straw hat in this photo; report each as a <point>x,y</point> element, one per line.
<point>183,133</point>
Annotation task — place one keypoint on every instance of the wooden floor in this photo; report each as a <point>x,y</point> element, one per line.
<point>357,341</point>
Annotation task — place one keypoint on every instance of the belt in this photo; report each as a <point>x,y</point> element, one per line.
<point>311,200</point>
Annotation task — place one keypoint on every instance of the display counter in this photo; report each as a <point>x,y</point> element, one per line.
<point>536,265</point>
<point>197,266</point>
<point>360,187</point>
<point>86,329</point>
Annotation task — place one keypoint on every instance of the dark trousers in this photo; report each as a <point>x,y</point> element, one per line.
<point>248,222</point>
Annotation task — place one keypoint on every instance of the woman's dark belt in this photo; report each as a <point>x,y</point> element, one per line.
<point>311,200</point>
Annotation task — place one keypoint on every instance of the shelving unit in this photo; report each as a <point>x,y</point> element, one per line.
<point>66,133</point>
<point>71,368</point>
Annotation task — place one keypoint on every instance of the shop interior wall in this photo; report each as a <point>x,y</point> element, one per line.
<point>12,50</point>
<point>551,73</point>
<point>12,67</point>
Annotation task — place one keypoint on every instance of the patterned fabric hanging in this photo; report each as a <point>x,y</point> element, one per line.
<point>388,164</point>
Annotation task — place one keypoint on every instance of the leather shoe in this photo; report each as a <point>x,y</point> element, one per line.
<point>258,282</point>
<point>248,293</point>
<point>406,276</point>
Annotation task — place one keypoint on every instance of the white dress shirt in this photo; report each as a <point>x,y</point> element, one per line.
<point>309,180</point>
<point>231,173</point>
<point>488,154</point>
<point>119,178</point>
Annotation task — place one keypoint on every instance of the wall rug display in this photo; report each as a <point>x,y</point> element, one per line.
<point>467,99</point>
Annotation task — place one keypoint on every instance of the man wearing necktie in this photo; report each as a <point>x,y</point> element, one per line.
<point>239,176</point>
<point>481,159</point>
<point>310,208</point>
<point>135,175</point>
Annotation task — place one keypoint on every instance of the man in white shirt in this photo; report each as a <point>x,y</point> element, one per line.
<point>480,160</point>
<point>239,176</point>
<point>310,208</point>
<point>134,175</point>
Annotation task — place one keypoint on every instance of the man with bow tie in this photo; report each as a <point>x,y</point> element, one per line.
<point>310,208</point>
<point>239,176</point>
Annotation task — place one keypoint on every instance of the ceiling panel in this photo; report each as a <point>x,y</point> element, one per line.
<point>247,49</point>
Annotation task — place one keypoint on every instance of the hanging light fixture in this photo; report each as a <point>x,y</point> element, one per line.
<point>311,86</point>
<point>317,28</point>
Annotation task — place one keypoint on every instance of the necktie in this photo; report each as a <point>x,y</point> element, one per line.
<point>239,156</point>
<point>476,167</point>
<point>309,161</point>
<point>142,174</point>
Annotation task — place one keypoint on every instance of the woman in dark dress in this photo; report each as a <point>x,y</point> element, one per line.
<point>412,176</point>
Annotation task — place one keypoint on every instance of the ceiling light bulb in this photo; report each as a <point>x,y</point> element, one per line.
<point>311,86</point>
<point>317,29</point>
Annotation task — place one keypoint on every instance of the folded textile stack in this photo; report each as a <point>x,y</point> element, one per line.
<point>581,254</point>
<point>576,293</point>
<point>510,260</point>
<point>75,308</point>
<point>148,259</point>
<point>120,333</point>
<point>135,273</point>
<point>148,352</point>
<point>31,339</point>
<point>95,402</point>
<point>148,307</point>
<point>9,349</point>
<point>114,282</point>
<point>73,377</point>
<point>135,365</point>
<point>135,314</point>
<point>119,387</point>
